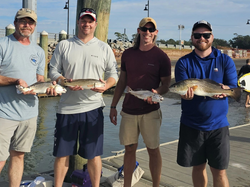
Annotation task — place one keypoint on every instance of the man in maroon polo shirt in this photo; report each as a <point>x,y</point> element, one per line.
<point>143,67</point>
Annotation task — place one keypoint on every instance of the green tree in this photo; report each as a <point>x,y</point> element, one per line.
<point>189,42</point>
<point>242,42</point>
<point>161,41</point>
<point>171,41</point>
<point>220,42</point>
<point>121,37</point>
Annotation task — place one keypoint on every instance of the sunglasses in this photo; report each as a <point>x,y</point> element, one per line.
<point>144,29</point>
<point>24,22</point>
<point>205,35</point>
<point>88,10</point>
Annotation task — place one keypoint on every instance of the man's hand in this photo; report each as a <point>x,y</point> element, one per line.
<point>22,83</point>
<point>189,95</point>
<point>52,91</point>
<point>113,116</point>
<point>74,88</point>
<point>100,89</point>
<point>149,99</point>
<point>221,95</point>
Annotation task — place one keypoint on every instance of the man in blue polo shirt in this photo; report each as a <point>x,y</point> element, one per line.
<point>204,133</point>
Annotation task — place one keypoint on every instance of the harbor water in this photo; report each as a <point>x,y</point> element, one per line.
<point>41,159</point>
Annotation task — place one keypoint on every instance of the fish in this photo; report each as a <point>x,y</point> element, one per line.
<point>144,94</point>
<point>204,87</point>
<point>84,83</point>
<point>41,87</point>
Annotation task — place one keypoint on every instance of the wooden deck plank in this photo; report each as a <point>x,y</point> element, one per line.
<point>174,175</point>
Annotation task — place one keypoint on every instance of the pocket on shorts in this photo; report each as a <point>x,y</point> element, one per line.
<point>125,115</point>
<point>155,114</point>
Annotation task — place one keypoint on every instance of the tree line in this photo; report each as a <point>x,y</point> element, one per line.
<point>239,41</point>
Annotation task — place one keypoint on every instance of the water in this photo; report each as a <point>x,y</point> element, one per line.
<point>40,159</point>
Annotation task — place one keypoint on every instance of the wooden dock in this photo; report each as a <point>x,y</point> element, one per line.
<point>174,175</point>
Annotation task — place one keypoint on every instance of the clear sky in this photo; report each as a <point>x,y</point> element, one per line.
<point>226,16</point>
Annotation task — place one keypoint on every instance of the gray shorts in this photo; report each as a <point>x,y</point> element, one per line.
<point>16,135</point>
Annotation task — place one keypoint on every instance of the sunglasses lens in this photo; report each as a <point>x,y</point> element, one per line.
<point>205,35</point>
<point>197,35</point>
<point>144,29</point>
<point>151,29</point>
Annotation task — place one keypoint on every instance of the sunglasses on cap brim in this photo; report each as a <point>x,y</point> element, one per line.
<point>204,35</point>
<point>88,10</point>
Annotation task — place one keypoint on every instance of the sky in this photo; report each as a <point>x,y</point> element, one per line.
<point>226,16</point>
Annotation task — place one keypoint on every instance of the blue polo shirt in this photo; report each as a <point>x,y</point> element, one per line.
<point>205,113</point>
<point>21,62</point>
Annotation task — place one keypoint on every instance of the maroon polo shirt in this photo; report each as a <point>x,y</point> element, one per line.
<point>144,70</point>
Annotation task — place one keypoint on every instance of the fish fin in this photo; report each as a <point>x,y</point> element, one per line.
<point>236,93</point>
<point>92,85</point>
<point>194,87</point>
<point>127,89</point>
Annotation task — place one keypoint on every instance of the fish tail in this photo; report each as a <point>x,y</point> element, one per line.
<point>127,89</point>
<point>236,93</point>
<point>62,82</point>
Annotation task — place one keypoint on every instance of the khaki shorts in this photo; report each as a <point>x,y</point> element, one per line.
<point>147,124</point>
<point>16,135</point>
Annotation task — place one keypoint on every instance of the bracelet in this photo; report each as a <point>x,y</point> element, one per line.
<point>113,107</point>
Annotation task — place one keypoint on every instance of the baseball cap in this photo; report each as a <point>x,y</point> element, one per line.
<point>25,12</point>
<point>146,20</point>
<point>202,23</point>
<point>88,11</point>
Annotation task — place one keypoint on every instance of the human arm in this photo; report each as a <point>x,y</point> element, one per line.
<point>5,81</point>
<point>56,68</point>
<point>108,84</point>
<point>110,71</point>
<point>181,74</point>
<point>165,83</point>
<point>230,78</point>
<point>120,87</point>
<point>39,78</point>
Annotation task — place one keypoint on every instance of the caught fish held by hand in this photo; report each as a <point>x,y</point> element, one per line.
<point>84,83</point>
<point>144,94</point>
<point>41,87</point>
<point>204,87</point>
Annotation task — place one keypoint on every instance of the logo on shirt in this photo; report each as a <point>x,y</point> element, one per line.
<point>94,56</point>
<point>151,64</point>
<point>33,59</point>
<point>215,69</point>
